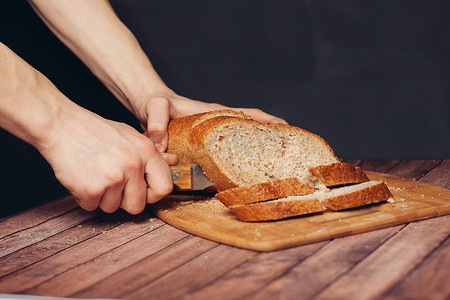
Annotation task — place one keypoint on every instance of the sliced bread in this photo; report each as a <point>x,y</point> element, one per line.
<point>333,175</point>
<point>338,174</point>
<point>335,199</point>
<point>236,152</point>
<point>264,191</point>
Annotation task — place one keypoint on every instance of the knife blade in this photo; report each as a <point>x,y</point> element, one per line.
<point>189,178</point>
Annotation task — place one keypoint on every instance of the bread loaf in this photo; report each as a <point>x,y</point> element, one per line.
<point>236,152</point>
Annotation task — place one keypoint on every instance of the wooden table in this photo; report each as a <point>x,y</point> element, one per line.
<point>57,249</point>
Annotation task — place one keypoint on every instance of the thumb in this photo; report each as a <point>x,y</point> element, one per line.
<point>157,122</point>
<point>171,159</point>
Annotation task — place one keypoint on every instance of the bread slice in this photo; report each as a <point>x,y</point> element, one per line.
<point>338,174</point>
<point>264,191</point>
<point>333,175</point>
<point>335,199</point>
<point>236,152</point>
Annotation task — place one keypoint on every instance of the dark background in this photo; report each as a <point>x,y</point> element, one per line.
<point>371,77</point>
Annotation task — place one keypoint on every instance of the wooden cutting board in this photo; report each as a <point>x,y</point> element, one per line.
<point>208,218</point>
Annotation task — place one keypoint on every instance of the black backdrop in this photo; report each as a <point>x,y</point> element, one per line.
<point>371,77</point>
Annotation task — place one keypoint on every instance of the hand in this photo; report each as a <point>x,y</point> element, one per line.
<point>156,110</point>
<point>108,164</point>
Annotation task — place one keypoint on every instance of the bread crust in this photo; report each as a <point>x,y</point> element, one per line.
<point>371,194</point>
<point>338,174</point>
<point>264,191</point>
<point>267,211</point>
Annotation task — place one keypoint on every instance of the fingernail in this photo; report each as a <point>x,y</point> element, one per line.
<point>159,146</point>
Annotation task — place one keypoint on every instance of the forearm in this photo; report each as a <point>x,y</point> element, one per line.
<point>91,29</point>
<point>29,102</point>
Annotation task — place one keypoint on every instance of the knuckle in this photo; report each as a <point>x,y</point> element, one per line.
<point>134,164</point>
<point>156,127</point>
<point>159,100</point>
<point>115,178</point>
<point>164,189</point>
<point>93,193</point>
<point>150,148</point>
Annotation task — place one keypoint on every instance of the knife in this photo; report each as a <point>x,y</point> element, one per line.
<point>189,178</point>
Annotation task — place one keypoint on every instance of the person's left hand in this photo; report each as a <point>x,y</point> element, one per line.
<point>155,111</point>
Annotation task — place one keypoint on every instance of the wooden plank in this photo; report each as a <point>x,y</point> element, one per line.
<point>80,253</point>
<point>429,281</point>
<point>391,262</point>
<point>101,267</point>
<point>353,162</point>
<point>440,175</point>
<point>26,237</point>
<point>66,239</point>
<point>253,274</point>
<point>194,274</point>
<point>381,166</point>
<point>310,276</point>
<point>147,270</point>
<point>37,215</point>
<point>414,169</point>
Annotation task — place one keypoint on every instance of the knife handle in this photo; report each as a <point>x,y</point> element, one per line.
<point>182,177</point>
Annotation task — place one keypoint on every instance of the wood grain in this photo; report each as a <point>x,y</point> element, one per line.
<point>151,268</point>
<point>440,175</point>
<point>44,230</point>
<point>414,169</point>
<point>391,262</point>
<point>325,266</point>
<point>44,270</point>
<point>194,274</point>
<point>37,215</point>
<point>381,166</point>
<point>429,280</point>
<point>254,274</point>
<point>112,261</point>
<point>66,239</point>
<point>212,220</point>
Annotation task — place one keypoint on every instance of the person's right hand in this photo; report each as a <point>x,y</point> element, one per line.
<point>107,164</point>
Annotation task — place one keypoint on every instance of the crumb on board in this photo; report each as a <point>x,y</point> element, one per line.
<point>397,189</point>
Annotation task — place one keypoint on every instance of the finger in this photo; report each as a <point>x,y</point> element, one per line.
<point>261,116</point>
<point>111,199</point>
<point>158,120</point>
<point>171,159</point>
<point>277,120</point>
<point>135,195</point>
<point>87,203</point>
<point>159,178</point>
<point>135,189</point>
